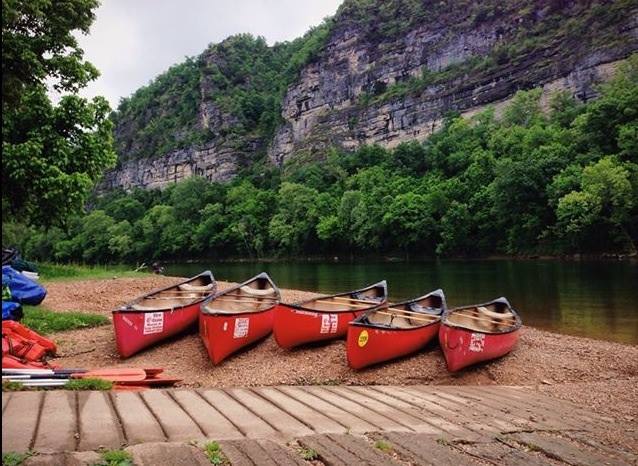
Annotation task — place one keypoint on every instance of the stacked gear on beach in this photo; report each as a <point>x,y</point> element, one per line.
<point>24,348</point>
<point>22,289</point>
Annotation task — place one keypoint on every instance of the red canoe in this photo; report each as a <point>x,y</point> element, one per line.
<point>477,333</point>
<point>325,317</point>
<point>238,317</point>
<point>160,314</point>
<point>395,330</point>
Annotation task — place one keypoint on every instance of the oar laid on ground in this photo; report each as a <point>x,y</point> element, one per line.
<point>113,375</point>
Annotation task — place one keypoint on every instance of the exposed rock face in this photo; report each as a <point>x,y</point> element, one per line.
<point>324,107</point>
<point>343,98</point>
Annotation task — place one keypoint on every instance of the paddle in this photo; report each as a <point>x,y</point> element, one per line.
<point>113,375</point>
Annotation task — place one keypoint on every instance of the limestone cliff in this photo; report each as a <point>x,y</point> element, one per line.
<point>386,72</point>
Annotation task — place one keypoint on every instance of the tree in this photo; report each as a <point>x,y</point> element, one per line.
<point>51,154</point>
<point>408,221</point>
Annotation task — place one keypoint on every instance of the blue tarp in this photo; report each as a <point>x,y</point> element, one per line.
<point>23,290</point>
<point>11,310</point>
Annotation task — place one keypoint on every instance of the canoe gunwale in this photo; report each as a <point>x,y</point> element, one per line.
<point>439,293</point>
<point>518,322</point>
<point>334,311</point>
<point>383,284</point>
<point>220,313</point>
<point>128,307</point>
<point>387,327</point>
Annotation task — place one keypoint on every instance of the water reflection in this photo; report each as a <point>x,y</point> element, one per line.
<point>589,298</point>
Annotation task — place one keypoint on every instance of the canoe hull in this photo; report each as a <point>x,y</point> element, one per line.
<point>224,334</point>
<point>136,330</point>
<point>368,345</point>
<point>463,347</point>
<point>294,327</point>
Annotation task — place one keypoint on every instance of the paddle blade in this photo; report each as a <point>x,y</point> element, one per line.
<point>114,375</point>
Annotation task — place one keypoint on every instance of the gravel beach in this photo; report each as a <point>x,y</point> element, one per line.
<point>600,374</point>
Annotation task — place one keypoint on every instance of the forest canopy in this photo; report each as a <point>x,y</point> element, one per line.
<point>559,180</point>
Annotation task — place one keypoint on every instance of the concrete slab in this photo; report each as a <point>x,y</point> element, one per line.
<point>138,423</point>
<point>432,414</point>
<point>210,420</point>
<point>19,421</point>
<point>242,418</point>
<point>176,423</point>
<point>276,417</point>
<point>420,426</point>
<point>313,418</point>
<point>378,420</point>
<point>98,426</point>
<point>403,418</point>
<point>167,454</point>
<point>58,422</point>
<point>351,422</point>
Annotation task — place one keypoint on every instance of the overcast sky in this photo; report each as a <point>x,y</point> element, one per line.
<point>132,41</point>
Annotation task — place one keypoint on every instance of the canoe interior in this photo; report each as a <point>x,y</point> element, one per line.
<point>256,295</point>
<point>191,291</point>
<point>404,315</point>
<point>495,317</point>
<point>348,302</point>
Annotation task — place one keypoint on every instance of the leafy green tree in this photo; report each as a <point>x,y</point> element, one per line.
<point>209,237</point>
<point>409,223</point>
<point>51,155</point>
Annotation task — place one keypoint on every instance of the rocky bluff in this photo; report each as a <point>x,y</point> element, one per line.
<point>379,72</point>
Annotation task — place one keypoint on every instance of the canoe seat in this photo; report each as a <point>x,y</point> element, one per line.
<point>379,319</point>
<point>495,315</point>
<point>189,287</point>
<point>426,309</point>
<point>401,322</point>
<point>257,292</point>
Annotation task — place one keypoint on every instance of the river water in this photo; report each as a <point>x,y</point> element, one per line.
<point>598,299</point>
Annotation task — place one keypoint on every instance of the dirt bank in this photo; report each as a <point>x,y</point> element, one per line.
<point>574,368</point>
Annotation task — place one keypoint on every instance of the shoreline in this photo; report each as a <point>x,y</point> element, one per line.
<point>605,257</point>
<point>601,373</point>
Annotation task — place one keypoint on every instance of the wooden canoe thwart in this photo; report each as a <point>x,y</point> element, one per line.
<point>238,316</point>
<point>472,334</point>
<point>325,317</point>
<point>160,314</point>
<point>395,330</point>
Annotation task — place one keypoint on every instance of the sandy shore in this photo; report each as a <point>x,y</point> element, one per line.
<point>599,374</point>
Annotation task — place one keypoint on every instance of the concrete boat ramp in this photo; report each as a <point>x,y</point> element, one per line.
<point>303,425</point>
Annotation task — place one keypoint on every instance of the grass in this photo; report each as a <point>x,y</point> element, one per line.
<point>215,454</point>
<point>115,458</point>
<point>15,459</point>
<point>78,385</point>
<point>10,386</point>
<point>383,446</point>
<point>309,454</point>
<point>44,321</point>
<point>53,272</point>
<point>88,384</point>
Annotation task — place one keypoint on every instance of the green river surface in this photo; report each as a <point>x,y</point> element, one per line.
<point>597,299</point>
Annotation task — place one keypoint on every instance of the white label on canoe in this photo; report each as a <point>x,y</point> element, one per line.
<point>153,322</point>
<point>329,323</point>
<point>241,327</point>
<point>477,342</point>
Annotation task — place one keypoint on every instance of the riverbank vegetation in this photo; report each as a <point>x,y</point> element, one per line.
<point>563,179</point>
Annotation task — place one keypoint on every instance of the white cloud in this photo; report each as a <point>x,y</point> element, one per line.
<point>132,41</point>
